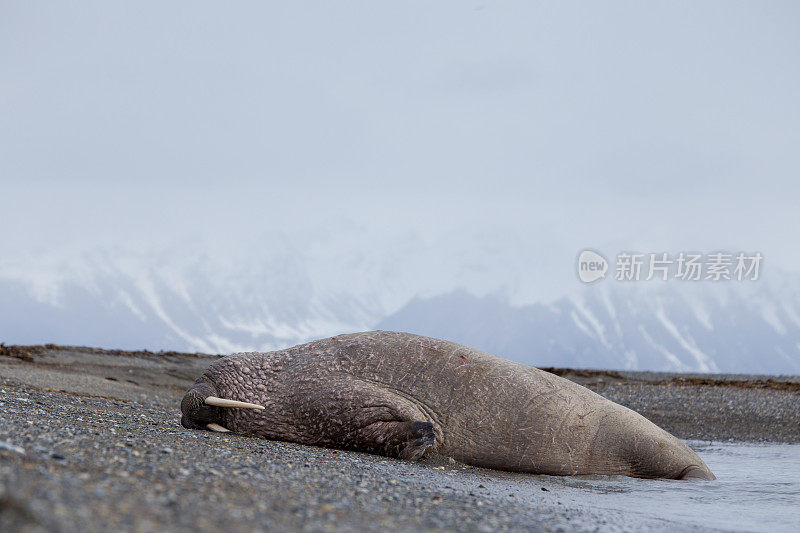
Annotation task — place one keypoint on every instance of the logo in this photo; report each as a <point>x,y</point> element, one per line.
<point>591,266</point>
<point>663,266</point>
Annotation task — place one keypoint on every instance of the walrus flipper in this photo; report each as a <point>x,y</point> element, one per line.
<point>366,416</point>
<point>404,440</point>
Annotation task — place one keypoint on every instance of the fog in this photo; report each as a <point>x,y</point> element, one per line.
<point>616,126</point>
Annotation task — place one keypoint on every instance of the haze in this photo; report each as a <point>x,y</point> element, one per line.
<point>627,125</point>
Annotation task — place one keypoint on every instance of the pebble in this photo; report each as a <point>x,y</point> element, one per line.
<point>11,448</point>
<point>164,477</point>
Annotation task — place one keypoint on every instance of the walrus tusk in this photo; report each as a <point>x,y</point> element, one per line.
<point>217,428</point>
<point>222,402</point>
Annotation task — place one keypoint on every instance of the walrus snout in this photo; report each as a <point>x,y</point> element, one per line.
<point>195,413</point>
<point>201,408</point>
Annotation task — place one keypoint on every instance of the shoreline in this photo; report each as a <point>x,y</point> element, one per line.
<point>742,407</point>
<point>90,440</point>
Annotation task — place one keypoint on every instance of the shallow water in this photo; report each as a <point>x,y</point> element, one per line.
<point>757,489</point>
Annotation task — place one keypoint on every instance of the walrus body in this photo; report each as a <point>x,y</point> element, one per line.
<point>400,395</point>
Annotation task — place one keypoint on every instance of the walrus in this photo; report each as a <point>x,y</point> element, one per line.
<point>403,395</point>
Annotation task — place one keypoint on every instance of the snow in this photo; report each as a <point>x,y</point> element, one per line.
<point>186,297</point>
<point>147,290</point>
<point>769,313</point>
<point>581,325</point>
<point>674,361</point>
<point>598,328</point>
<point>704,363</point>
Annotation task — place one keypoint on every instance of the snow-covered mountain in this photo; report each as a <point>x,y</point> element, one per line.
<point>214,294</point>
<point>703,328</point>
<point>483,291</point>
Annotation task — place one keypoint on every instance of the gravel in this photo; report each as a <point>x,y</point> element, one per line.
<point>74,463</point>
<point>91,441</point>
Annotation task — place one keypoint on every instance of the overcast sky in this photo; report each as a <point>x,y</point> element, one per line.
<point>658,126</point>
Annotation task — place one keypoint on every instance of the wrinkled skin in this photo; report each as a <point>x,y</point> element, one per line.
<point>402,395</point>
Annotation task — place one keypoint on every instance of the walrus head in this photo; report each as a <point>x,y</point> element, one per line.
<point>202,408</point>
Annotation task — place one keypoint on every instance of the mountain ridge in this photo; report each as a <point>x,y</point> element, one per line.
<point>291,292</point>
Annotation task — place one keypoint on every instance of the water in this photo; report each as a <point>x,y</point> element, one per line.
<point>757,489</point>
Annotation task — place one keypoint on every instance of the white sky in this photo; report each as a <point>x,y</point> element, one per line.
<point>631,125</point>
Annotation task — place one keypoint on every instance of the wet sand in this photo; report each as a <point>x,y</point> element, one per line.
<point>90,440</point>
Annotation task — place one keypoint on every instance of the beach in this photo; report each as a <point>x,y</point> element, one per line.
<point>90,440</point>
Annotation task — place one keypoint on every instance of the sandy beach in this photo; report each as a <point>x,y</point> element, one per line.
<point>90,440</point>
